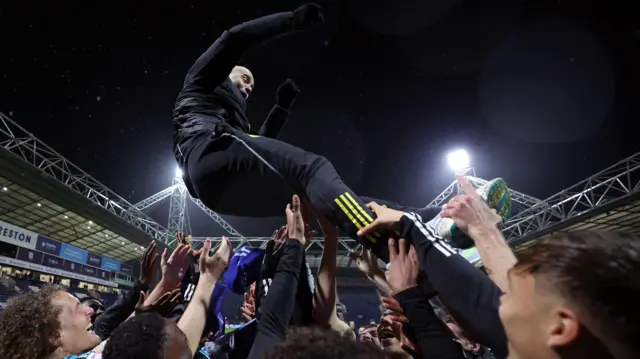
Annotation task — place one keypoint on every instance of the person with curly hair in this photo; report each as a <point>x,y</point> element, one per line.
<point>49,324</point>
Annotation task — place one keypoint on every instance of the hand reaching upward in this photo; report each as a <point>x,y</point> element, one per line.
<point>183,238</point>
<point>175,266</point>
<point>148,263</point>
<point>404,267</point>
<point>295,223</point>
<point>367,262</point>
<point>469,210</point>
<point>213,266</point>
<point>279,237</point>
<point>162,305</point>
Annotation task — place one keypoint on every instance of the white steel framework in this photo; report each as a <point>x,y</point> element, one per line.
<point>613,189</point>
<point>27,147</point>
<point>616,185</point>
<point>177,209</point>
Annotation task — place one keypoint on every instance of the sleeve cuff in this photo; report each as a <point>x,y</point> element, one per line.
<point>410,294</point>
<point>406,224</point>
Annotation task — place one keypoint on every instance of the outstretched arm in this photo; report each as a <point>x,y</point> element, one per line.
<point>286,95</point>
<point>275,121</point>
<point>325,295</point>
<point>215,64</point>
<point>213,67</point>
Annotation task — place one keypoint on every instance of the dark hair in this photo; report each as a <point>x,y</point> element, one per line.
<point>313,342</point>
<point>598,272</point>
<point>141,337</point>
<point>29,325</point>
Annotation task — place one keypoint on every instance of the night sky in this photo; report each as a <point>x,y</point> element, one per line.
<point>542,93</point>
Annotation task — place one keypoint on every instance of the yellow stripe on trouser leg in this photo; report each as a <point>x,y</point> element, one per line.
<point>346,211</point>
<point>358,215</point>
<point>254,136</point>
<point>367,218</point>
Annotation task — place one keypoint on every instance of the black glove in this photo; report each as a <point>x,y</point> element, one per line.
<point>287,93</point>
<point>307,16</point>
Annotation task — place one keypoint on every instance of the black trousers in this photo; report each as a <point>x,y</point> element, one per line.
<point>214,160</point>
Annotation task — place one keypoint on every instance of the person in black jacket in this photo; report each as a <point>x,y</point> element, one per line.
<point>471,297</point>
<point>118,312</point>
<point>214,145</point>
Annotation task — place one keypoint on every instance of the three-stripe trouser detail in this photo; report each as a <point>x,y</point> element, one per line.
<point>356,214</point>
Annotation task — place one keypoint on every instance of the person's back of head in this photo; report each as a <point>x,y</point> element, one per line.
<point>29,325</point>
<point>316,343</point>
<point>575,295</point>
<point>147,336</point>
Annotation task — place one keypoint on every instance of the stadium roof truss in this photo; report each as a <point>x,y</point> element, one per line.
<point>25,208</point>
<point>606,200</point>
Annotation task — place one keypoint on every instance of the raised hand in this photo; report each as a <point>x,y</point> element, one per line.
<point>279,237</point>
<point>148,263</point>
<point>248,308</point>
<point>181,238</point>
<point>367,262</point>
<point>307,16</point>
<point>213,266</point>
<point>287,93</point>
<point>295,223</point>
<point>175,266</point>
<point>469,210</point>
<point>162,305</point>
<point>404,267</point>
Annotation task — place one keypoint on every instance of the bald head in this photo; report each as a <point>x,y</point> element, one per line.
<point>243,78</point>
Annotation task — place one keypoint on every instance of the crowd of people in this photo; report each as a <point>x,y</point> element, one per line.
<point>569,295</point>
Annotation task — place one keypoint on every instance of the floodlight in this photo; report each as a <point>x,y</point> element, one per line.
<point>178,172</point>
<point>458,160</point>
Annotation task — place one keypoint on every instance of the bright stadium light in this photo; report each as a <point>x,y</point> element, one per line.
<point>458,160</point>
<point>178,172</point>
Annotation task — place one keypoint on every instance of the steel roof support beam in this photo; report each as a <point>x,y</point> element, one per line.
<point>614,183</point>
<point>147,204</point>
<point>27,147</point>
<point>177,210</point>
<point>224,224</point>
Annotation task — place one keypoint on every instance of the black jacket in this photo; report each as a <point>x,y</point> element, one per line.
<point>434,339</point>
<point>118,312</point>
<point>208,95</point>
